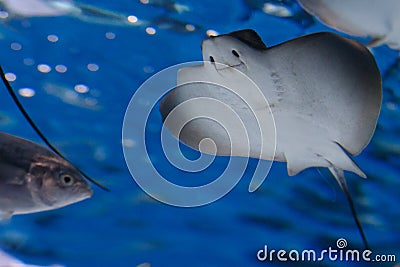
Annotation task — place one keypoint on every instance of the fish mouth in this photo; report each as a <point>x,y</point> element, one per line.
<point>222,66</point>
<point>85,192</point>
<point>88,193</point>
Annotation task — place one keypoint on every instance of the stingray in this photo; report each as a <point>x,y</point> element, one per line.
<point>377,19</point>
<point>323,93</point>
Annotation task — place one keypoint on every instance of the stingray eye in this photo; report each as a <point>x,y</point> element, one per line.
<point>67,180</point>
<point>235,53</point>
<point>212,59</point>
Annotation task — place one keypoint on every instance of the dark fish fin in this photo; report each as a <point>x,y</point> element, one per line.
<point>377,41</point>
<point>249,37</point>
<point>93,181</point>
<point>339,176</point>
<point>26,115</point>
<point>37,130</point>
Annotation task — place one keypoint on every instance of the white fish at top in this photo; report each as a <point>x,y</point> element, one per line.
<point>55,8</point>
<point>40,8</point>
<point>7,260</point>
<point>377,19</point>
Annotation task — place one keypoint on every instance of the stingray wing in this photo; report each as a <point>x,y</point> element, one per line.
<point>329,98</point>
<point>330,82</point>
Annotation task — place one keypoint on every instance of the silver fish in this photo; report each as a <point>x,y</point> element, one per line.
<point>377,19</point>
<point>56,8</point>
<point>34,179</point>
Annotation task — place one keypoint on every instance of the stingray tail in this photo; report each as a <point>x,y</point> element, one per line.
<point>339,176</point>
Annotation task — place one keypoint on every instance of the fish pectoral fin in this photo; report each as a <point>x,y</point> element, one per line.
<point>299,160</point>
<point>341,160</point>
<point>328,155</point>
<point>294,167</point>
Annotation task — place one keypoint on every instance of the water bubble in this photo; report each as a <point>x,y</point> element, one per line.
<point>3,14</point>
<point>11,77</point>
<point>52,38</point>
<point>26,92</point>
<point>150,30</point>
<point>16,46</point>
<point>148,69</point>
<point>93,67</point>
<point>211,33</point>
<point>132,19</point>
<point>110,35</point>
<point>128,142</point>
<point>190,27</point>
<point>44,68</point>
<point>61,68</point>
<point>81,88</point>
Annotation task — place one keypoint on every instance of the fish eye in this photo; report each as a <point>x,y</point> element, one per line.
<point>212,59</point>
<point>67,180</point>
<point>235,53</point>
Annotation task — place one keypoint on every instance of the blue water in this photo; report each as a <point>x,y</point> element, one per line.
<point>126,227</point>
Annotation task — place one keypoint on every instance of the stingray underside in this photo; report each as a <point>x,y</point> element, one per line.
<point>330,103</point>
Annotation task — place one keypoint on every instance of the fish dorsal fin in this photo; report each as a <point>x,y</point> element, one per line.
<point>249,37</point>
